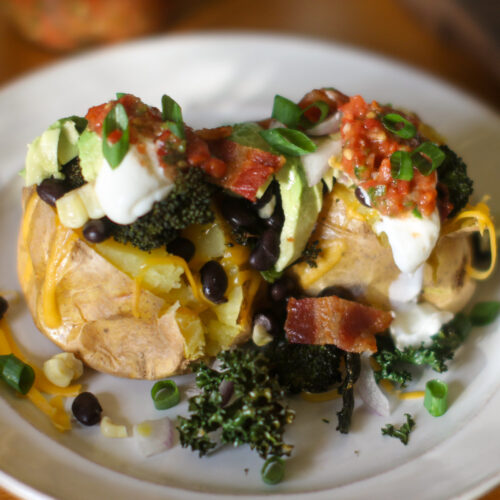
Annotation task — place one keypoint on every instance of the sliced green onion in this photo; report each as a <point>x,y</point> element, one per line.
<point>273,470</point>
<point>80,122</point>
<point>165,394</point>
<point>401,166</point>
<point>286,111</point>
<point>324,109</point>
<point>16,373</point>
<point>416,213</point>
<point>172,116</point>
<point>391,122</point>
<point>484,313</point>
<point>289,141</point>
<point>432,153</point>
<point>435,399</point>
<point>119,95</point>
<point>116,119</point>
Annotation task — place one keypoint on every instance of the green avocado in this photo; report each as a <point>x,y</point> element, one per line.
<point>301,206</point>
<point>55,147</point>
<point>90,153</point>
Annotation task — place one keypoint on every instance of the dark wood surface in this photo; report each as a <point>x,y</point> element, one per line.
<point>384,26</point>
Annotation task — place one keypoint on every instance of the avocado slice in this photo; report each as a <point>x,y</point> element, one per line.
<point>90,153</point>
<point>55,147</point>
<point>301,206</point>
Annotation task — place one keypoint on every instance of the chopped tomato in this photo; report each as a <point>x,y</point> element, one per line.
<point>367,148</point>
<point>331,320</point>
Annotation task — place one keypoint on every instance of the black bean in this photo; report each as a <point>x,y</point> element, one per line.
<point>362,198</point>
<point>266,197</point>
<point>97,230</point>
<point>214,281</point>
<point>338,291</point>
<point>86,409</point>
<point>266,252</point>
<point>4,305</point>
<point>240,215</point>
<point>282,288</point>
<point>50,190</point>
<point>268,321</point>
<point>182,247</point>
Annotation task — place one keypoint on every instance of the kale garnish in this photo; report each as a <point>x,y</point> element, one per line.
<point>442,349</point>
<point>403,432</point>
<point>254,415</point>
<point>353,369</point>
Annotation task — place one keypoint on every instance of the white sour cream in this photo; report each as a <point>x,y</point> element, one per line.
<point>129,191</point>
<point>406,288</point>
<point>417,323</point>
<point>411,238</point>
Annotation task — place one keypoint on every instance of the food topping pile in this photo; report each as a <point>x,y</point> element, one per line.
<point>321,251</point>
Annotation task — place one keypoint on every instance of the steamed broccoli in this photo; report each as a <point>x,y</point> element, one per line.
<point>73,174</point>
<point>188,203</point>
<point>443,347</point>
<point>254,415</point>
<point>301,367</point>
<point>453,174</point>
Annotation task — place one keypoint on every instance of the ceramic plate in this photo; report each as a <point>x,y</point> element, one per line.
<point>221,79</point>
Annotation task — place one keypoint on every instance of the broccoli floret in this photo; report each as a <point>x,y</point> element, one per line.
<point>188,203</point>
<point>402,432</point>
<point>443,347</point>
<point>301,367</point>
<point>311,253</point>
<point>254,415</point>
<point>73,174</point>
<point>453,174</point>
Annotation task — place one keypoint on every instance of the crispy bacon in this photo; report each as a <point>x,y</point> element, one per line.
<point>247,168</point>
<point>331,320</point>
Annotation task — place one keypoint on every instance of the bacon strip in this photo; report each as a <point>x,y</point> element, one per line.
<point>247,168</point>
<point>331,320</point>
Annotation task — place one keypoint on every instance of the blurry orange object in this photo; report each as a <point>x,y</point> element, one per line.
<point>70,24</point>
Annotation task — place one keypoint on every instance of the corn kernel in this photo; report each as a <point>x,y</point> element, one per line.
<point>111,430</point>
<point>62,368</point>
<point>260,336</point>
<point>90,201</point>
<point>71,210</point>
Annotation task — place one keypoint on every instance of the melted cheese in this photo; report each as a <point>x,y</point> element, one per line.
<point>411,395</point>
<point>481,214</point>
<point>320,397</point>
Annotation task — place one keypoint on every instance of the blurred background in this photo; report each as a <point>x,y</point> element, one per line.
<point>456,40</point>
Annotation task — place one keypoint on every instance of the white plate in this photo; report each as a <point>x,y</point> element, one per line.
<point>225,78</point>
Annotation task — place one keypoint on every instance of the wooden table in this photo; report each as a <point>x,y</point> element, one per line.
<point>384,26</point>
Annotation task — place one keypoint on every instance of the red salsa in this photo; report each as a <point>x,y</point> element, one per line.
<point>367,147</point>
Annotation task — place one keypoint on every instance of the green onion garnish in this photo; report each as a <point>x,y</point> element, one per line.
<point>484,313</point>
<point>427,157</point>
<point>416,213</point>
<point>289,141</point>
<point>16,373</point>
<point>435,400</point>
<point>286,111</point>
<point>79,121</point>
<point>391,122</point>
<point>165,394</point>
<point>172,116</point>
<point>293,116</point>
<point>273,470</point>
<point>401,166</point>
<point>116,119</point>
<point>119,95</point>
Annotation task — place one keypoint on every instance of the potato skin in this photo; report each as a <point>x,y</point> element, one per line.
<point>366,266</point>
<point>96,303</point>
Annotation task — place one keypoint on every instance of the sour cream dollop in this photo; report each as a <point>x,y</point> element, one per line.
<point>411,238</point>
<point>129,191</point>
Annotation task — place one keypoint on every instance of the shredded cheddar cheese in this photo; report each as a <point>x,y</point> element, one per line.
<point>320,397</point>
<point>481,214</point>
<point>411,395</point>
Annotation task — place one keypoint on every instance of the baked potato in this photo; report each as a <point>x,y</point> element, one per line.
<point>88,298</point>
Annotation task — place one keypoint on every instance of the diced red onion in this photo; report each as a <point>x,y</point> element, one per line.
<point>328,126</point>
<point>369,391</point>
<point>154,436</point>
<point>316,164</point>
